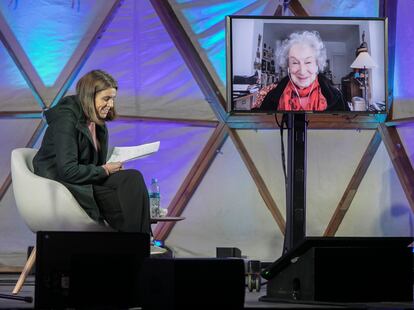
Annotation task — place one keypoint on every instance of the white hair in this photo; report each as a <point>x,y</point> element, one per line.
<point>312,38</point>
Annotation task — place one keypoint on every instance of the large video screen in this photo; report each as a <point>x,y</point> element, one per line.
<point>308,65</point>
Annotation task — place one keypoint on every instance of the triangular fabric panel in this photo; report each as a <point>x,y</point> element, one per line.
<point>226,210</point>
<point>203,16</point>
<point>58,41</point>
<point>404,62</point>
<point>264,147</point>
<point>153,79</point>
<point>332,157</point>
<point>406,133</point>
<point>20,131</point>
<point>380,207</point>
<point>204,23</point>
<point>15,94</point>
<point>114,53</point>
<point>180,145</point>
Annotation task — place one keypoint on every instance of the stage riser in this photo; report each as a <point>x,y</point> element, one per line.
<point>185,283</point>
<point>347,274</point>
<point>89,269</point>
<point>113,270</point>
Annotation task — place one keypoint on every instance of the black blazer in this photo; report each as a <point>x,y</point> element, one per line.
<point>334,98</point>
<point>68,155</point>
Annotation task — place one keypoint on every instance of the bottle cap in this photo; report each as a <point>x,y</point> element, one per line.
<point>154,180</point>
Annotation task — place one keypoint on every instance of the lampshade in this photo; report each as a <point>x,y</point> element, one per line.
<point>364,60</point>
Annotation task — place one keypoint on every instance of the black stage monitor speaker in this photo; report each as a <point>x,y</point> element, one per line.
<point>228,252</point>
<point>185,283</point>
<point>89,270</point>
<point>343,269</point>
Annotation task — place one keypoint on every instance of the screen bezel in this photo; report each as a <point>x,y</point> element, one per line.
<point>229,65</point>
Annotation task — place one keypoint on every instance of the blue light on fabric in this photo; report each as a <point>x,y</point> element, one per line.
<point>215,49</point>
<point>204,17</point>
<point>49,32</point>
<point>10,74</point>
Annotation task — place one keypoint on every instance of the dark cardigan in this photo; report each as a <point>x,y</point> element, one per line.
<point>333,96</point>
<point>68,155</point>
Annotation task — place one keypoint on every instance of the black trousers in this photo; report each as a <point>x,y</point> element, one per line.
<point>123,201</point>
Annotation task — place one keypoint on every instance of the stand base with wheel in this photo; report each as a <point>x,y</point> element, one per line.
<point>14,297</point>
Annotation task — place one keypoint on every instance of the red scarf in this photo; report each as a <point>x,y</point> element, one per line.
<point>311,98</point>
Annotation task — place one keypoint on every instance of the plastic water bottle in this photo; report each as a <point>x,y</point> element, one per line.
<point>154,198</point>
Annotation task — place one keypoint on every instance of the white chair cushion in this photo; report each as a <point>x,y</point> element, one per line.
<point>46,204</point>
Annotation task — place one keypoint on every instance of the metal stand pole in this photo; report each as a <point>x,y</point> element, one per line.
<point>296,190</point>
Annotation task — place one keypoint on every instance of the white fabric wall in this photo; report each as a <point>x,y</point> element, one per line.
<point>236,215</point>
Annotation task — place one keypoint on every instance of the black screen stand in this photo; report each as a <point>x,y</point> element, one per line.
<point>296,182</point>
<point>295,229</point>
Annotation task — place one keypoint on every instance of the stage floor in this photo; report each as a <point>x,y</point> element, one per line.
<point>7,282</point>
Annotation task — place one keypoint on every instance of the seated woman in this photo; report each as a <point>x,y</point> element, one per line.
<point>74,151</point>
<point>303,56</point>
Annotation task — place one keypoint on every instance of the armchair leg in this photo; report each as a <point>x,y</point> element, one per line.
<point>26,270</point>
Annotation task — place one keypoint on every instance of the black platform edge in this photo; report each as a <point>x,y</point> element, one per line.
<point>383,242</point>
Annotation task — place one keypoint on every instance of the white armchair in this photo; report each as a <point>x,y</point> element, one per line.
<point>44,204</point>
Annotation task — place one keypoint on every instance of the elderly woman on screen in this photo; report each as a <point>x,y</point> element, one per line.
<point>305,88</point>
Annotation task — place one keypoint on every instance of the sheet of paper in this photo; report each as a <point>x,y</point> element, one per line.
<point>128,153</point>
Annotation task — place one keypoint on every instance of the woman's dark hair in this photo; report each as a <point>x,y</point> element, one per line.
<point>87,88</point>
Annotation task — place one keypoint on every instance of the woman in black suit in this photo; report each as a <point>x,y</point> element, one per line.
<point>74,151</point>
